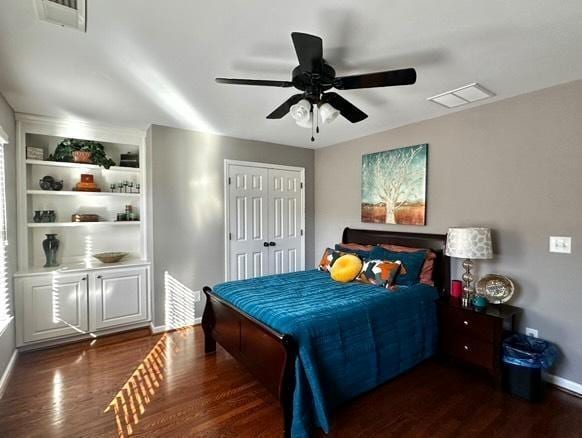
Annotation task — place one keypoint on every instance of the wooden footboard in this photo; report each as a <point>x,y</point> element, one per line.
<point>267,354</point>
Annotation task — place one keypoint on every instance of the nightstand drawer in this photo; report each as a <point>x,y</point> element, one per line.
<point>468,323</point>
<point>469,349</point>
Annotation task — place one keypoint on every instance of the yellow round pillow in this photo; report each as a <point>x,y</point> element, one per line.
<point>346,268</point>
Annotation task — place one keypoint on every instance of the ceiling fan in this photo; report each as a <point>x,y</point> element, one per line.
<point>314,77</point>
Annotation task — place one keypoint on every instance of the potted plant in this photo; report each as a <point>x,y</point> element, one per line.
<point>81,151</point>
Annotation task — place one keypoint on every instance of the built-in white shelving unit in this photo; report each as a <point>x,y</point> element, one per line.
<point>105,235</point>
<point>81,296</point>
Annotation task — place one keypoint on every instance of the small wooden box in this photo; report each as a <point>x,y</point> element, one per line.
<point>85,218</point>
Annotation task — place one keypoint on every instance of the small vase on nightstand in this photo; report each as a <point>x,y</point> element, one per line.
<point>50,246</point>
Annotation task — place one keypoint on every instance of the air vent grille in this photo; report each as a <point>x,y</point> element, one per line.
<point>462,96</point>
<point>66,13</point>
<point>67,3</point>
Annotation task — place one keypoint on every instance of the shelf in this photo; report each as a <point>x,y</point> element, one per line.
<point>84,264</point>
<point>82,166</point>
<point>78,193</point>
<point>81,224</point>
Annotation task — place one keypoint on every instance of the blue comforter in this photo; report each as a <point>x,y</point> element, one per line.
<point>351,337</point>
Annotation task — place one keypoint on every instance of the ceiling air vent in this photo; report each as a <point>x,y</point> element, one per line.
<point>462,96</point>
<point>66,13</point>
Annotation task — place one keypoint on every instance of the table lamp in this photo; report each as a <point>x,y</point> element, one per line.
<point>469,243</point>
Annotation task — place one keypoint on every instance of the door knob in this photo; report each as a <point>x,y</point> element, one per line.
<point>265,243</point>
<point>272,243</point>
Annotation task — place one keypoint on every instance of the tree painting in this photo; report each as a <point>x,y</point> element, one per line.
<point>394,186</point>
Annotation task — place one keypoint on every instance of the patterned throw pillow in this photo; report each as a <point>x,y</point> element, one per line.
<point>328,259</point>
<point>379,272</point>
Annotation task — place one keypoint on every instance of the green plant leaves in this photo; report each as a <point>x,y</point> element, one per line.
<point>64,152</point>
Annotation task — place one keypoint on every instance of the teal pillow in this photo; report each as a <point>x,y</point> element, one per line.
<point>411,262</point>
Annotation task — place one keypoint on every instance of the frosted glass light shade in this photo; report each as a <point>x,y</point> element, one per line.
<point>469,243</point>
<point>328,113</point>
<point>301,111</point>
<point>305,123</point>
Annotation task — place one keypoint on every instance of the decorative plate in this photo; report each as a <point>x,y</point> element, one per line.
<point>497,288</point>
<point>110,257</point>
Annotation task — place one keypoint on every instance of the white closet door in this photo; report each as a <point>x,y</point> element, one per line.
<point>248,218</point>
<point>285,222</point>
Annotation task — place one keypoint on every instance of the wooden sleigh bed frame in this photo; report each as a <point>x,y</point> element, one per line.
<point>270,355</point>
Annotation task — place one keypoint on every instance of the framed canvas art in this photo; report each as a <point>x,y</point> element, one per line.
<point>394,186</point>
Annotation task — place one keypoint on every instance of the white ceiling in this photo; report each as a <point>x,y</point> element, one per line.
<point>154,61</point>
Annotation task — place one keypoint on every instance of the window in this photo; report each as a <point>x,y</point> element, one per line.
<point>5,310</point>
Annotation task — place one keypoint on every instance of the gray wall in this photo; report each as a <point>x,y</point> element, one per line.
<point>187,172</point>
<point>8,124</point>
<point>513,165</point>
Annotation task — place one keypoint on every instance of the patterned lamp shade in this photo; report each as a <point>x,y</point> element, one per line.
<point>469,243</point>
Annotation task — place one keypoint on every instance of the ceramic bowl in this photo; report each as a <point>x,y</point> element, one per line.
<point>110,257</point>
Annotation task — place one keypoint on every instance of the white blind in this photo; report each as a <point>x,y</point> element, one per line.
<point>5,311</point>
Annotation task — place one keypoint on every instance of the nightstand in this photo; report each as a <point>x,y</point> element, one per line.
<point>475,337</point>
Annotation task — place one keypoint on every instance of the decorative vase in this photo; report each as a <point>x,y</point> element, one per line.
<point>82,157</point>
<point>46,183</point>
<point>50,246</point>
<point>57,186</point>
<point>480,303</point>
<point>37,218</point>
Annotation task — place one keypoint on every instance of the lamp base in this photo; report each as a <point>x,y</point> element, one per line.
<point>468,290</point>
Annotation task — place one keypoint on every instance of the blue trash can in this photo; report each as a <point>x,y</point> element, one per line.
<point>525,361</point>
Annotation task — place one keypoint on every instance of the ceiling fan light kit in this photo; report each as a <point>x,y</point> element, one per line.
<point>314,77</point>
<point>327,113</point>
<point>301,111</point>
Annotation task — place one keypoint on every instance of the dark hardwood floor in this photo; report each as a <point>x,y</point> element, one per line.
<point>163,385</point>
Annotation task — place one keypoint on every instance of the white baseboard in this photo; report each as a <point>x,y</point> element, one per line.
<point>566,384</point>
<point>7,371</point>
<point>163,328</point>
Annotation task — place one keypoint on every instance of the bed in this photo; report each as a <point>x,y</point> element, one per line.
<point>312,356</point>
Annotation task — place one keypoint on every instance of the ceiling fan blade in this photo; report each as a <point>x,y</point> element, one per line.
<point>346,109</point>
<point>259,82</point>
<point>285,107</point>
<point>406,76</point>
<point>309,49</point>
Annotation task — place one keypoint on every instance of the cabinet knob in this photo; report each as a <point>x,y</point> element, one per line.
<point>466,347</point>
<point>84,278</point>
<point>99,276</point>
<point>466,322</point>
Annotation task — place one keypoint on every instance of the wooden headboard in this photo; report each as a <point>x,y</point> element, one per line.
<point>435,242</point>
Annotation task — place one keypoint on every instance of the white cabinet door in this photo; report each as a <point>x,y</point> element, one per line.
<point>53,306</point>
<point>118,297</point>
<point>248,188</point>
<point>285,222</point>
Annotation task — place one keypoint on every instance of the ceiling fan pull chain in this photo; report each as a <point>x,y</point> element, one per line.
<point>312,122</point>
<point>317,120</point>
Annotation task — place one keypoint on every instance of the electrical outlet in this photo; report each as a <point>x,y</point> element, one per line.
<point>561,244</point>
<point>531,332</point>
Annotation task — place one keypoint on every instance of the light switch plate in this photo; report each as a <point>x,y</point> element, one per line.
<point>561,244</point>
